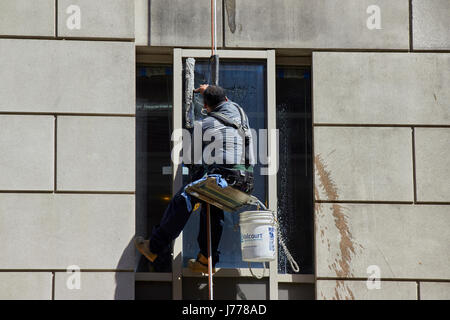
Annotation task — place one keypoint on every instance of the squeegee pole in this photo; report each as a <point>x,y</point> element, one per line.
<point>214,60</point>
<point>215,79</point>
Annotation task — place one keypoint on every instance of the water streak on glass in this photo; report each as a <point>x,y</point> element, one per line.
<point>295,207</point>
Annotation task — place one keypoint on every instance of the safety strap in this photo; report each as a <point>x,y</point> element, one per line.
<point>231,122</point>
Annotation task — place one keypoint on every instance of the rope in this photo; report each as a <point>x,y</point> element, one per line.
<point>255,276</point>
<point>213,27</point>
<point>292,262</point>
<point>289,256</point>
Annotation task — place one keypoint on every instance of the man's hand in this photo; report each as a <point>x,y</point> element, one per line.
<point>202,88</point>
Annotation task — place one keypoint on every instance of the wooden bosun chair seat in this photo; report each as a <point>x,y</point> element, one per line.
<point>228,198</point>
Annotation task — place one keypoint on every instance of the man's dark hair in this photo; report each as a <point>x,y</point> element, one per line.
<point>213,95</point>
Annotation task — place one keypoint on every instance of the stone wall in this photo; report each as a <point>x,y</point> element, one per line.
<point>381,135</point>
<point>382,159</point>
<point>299,24</point>
<point>67,156</point>
<point>381,127</point>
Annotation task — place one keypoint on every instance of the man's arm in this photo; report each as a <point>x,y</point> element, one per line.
<point>202,88</point>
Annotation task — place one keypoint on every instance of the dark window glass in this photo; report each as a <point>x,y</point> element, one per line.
<point>153,164</point>
<point>295,180</point>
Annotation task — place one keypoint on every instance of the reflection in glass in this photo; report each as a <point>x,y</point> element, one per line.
<point>153,131</point>
<point>295,181</point>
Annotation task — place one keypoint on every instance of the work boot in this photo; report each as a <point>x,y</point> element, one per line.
<point>144,248</point>
<point>200,264</point>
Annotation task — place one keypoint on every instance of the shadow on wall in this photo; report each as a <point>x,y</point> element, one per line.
<point>124,277</point>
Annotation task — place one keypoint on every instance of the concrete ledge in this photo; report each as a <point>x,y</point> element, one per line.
<point>27,18</point>
<point>95,286</point>
<point>99,18</point>
<point>404,241</point>
<point>381,88</point>
<point>67,76</point>
<point>433,164</point>
<point>26,285</point>
<point>358,290</point>
<point>325,24</point>
<point>363,164</point>
<point>92,231</point>
<point>431,24</point>
<point>434,290</point>
<point>27,152</point>
<point>96,154</point>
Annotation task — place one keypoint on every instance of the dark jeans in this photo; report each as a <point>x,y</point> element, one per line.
<point>177,214</point>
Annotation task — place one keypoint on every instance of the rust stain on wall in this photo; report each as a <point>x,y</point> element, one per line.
<point>230,6</point>
<point>342,291</point>
<point>342,264</point>
<point>319,212</point>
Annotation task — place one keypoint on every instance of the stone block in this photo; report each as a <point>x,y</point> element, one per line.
<point>358,290</point>
<point>432,164</point>
<point>67,76</point>
<point>95,286</point>
<point>381,88</point>
<point>141,22</point>
<point>183,23</point>
<point>363,164</point>
<point>27,152</point>
<point>402,241</point>
<point>95,154</point>
<point>55,231</point>
<point>26,285</point>
<point>27,18</point>
<point>434,290</point>
<point>431,24</point>
<point>324,24</point>
<point>98,19</point>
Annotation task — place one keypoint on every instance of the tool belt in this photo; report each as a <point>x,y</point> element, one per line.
<point>238,179</point>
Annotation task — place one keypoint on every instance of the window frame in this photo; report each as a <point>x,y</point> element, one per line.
<point>178,55</point>
<point>178,272</point>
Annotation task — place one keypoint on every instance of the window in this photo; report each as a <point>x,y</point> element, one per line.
<point>295,179</point>
<point>245,84</point>
<point>153,130</point>
<point>273,97</point>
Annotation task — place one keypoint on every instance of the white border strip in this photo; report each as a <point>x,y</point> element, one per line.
<point>272,179</point>
<point>177,263</point>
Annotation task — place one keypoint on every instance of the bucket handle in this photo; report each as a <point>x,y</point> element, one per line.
<point>255,276</point>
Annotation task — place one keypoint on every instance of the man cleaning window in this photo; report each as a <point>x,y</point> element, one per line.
<point>226,120</point>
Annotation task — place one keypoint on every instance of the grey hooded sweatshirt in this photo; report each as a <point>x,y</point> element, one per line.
<point>224,145</point>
